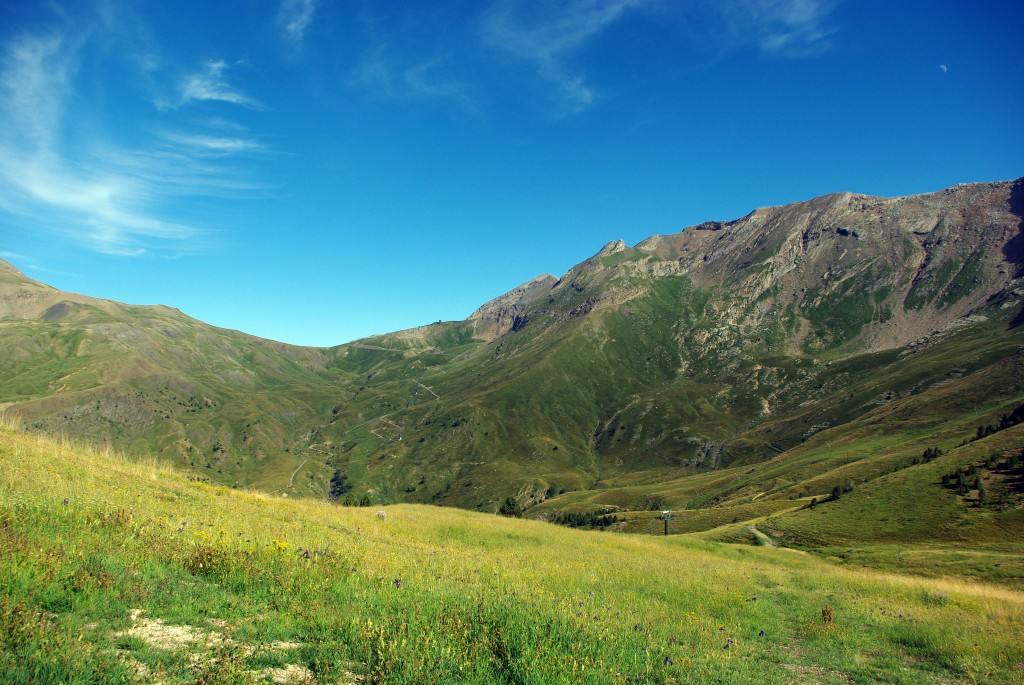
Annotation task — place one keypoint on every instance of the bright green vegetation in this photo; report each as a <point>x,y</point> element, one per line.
<point>734,373</point>
<point>842,315</point>
<point>126,571</point>
<point>586,414</point>
<point>816,378</point>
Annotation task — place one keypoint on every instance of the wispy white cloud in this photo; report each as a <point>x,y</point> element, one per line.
<point>404,78</point>
<point>790,28</point>
<point>26,263</point>
<point>202,144</point>
<point>294,17</point>
<point>60,171</point>
<point>561,44</point>
<point>7,254</point>
<point>33,73</point>
<point>549,35</point>
<point>211,84</point>
<point>429,79</point>
<point>376,72</point>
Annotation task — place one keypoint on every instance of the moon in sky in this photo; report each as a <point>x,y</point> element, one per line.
<point>944,68</point>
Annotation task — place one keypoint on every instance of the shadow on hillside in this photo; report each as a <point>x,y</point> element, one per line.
<point>1014,248</point>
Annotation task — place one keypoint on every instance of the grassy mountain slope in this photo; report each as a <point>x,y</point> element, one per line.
<point>152,379</point>
<point>125,571</point>
<point>733,370</point>
<point>645,366</point>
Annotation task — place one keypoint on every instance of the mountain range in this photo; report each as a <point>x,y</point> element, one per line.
<point>824,370</point>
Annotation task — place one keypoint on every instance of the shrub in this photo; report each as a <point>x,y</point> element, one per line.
<point>510,507</point>
<point>591,519</point>
<point>339,485</point>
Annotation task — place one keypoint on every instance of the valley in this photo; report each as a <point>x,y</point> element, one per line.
<point>733,372</point>
<point>827,400</point>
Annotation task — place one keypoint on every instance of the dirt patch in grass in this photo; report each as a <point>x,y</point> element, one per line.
<point>171,638</point>
<point>816,674</point>
<point>174,638</point>
<point>289,675</point>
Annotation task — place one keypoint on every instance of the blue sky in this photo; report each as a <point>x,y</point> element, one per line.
<point>315,172</point>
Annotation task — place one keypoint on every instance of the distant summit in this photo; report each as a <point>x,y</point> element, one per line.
<point>742,348</point>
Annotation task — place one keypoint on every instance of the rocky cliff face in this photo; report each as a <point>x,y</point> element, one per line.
<point>505,313</point>
<point>840,270</point>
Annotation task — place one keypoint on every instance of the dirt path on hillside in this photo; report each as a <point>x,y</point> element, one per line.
<point>765,540</point>
<point>429,389</point>
<point>376,418</point>
<point>291,481</point>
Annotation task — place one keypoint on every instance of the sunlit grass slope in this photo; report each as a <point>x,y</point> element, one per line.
<point>116,571</point>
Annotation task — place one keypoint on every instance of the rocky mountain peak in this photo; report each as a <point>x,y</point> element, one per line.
<point>840,269</point>
<point>501,314</point>
<point>611,248</point>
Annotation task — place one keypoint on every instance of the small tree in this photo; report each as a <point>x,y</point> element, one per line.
<point>511,508</point>
<point>339,485</point>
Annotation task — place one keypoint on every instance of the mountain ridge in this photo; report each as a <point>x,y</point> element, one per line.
<point>715,349</point>
<point>835,208</point>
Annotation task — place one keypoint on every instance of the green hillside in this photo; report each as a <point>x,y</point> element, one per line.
<point>119,571</point>
<point>730,372</point>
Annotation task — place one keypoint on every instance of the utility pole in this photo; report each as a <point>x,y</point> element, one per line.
<point>666,516</point>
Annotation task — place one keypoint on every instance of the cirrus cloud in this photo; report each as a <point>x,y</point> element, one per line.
<point>63,170</point>
<point>550,35</point>
<point>295,17</point>
<point>211,84</point>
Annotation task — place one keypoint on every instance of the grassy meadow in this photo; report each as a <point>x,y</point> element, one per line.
<point>119,571</point>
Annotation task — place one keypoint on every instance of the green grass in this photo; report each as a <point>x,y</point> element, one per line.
<point>996,562</point>
<point>116,571</point>
<point>666,378</point>
<point>911,505</point>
